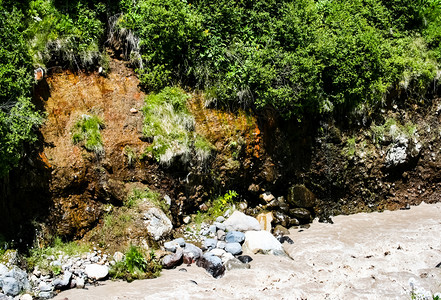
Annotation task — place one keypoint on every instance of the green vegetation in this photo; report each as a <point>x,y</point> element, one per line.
<point>295,56</point>
<point>87,131</point>
<point>18,118</point>
<point>217,207</point>
<point>391,130</point>
<point>168,122</point>
<point>67,32</point>
<point>148,195</point>
<point>136,266</point>
<point>130,154</point>
<point>40,257</point>
<point>351,146</point>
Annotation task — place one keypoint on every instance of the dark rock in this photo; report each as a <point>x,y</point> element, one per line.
<point>182,270</point>
<point>280,230</point>
<point>194,282</point>
<point>300,196</point>
<point>233,248</point>
<point>438,265</point>
<point>235,237</point>
<point>301,214</point>
<point>212,264</point>
<point>245,258</point>
<point>283,239</point>
<point>284,220</point>
<point>173,260</point>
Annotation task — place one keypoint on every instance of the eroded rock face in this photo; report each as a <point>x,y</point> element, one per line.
<point>300,196</point>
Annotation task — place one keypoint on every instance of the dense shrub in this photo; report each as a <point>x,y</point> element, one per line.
<point>300,57</point>
<point>17,115</point>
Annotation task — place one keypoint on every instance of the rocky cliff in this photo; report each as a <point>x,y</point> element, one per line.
<point>317,168</point>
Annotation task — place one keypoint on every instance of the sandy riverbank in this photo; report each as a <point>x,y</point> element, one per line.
<point>362,256</point>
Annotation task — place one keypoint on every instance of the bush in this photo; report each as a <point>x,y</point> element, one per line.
<point>70,33</point>
<point>87,131</point>
<point>136,266</point>
<point>18,119</point>
<point>168,122</point>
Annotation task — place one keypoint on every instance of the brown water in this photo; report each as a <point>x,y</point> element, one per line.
<point>363,256</point>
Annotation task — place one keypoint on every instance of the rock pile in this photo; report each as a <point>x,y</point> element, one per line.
<point>223,242</point>
<point>73,272</point>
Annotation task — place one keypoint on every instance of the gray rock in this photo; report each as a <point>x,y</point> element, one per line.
<point>3,270</point>
<point>10,286</point>
<point>172,245</point>
<point>96,272</point>
<point>44,287</point>
<point>191,253</point>
<point>219,226</point>
<point>80,282</point>
<point>220,219</point>
<point>45,295</point>
<point>118,256</point>
<point>235,237</point>
<point>21,276</point>
<point>217,252</point>
<point>212,229</point>
<point>158,224</point>
<point>220,234</point>
<point>173,260</point>
<point>221,244</point>
<point>234,263</point>
<point>300,196</point>
<point>62,283</point>
<point>241,222</point>
<point>233,248</point>
<point>261,241</point>
<point>210,244</point>
<point>26,297</point>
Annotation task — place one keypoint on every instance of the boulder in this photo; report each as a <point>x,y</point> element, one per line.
<point>265,220</point>
<point>240,222</point>
<point>261,241</point>
<point>234,263</point>
<point>96,271</point>
<point>158,224</point>
<point>10,286</point>
<point>235,237</point>
<point>300,196</point>
<point>221,244</point>
<point>233,248</point>
<point>212,264</point>
<point>191,253</point>
<point>220,234</point>
<point>173,260</point>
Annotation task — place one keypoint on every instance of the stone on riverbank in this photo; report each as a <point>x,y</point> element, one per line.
<point>261,241</point>
<point>96,272</point>
<point>241,222</point>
